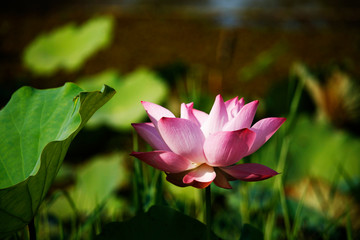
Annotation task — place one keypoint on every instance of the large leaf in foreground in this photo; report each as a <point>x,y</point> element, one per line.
<point>36,129</point>
<point>160,223</point>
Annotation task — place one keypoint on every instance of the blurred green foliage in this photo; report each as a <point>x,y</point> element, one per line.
<point>95,183</point>
<point>140,85</point>
<point>68,47</point>
<point>261,63</point>
<point>319,150</point>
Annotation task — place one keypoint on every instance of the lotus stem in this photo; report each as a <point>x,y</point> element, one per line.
<point>32,230</point>
<point>208,212</point>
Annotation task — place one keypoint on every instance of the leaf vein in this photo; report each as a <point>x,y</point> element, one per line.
<point>12,215</point>
<point>7,173</point>
<point>20,143</point>
<point>31,200</point>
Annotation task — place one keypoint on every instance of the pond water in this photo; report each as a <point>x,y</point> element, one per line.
<point>237,47</point>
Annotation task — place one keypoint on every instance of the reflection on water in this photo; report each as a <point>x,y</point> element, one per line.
<point>283,14</point>
<point>228,15</point>
<point>257,13</point>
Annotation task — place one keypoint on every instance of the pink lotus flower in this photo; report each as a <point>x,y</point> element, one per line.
<point>199,148</point>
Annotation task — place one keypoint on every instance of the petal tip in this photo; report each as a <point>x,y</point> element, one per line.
<point>134,124</point>
<point>145,103</point>
<point>219,97</point>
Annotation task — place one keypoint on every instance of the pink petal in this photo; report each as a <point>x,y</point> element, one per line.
<point>235,110</point>
<point>264,129</point>
<point>217,118</point>
<point>177,179</point>
<point>231,105</point>
<point>187,112</point>
<point>156,112</point>
<point>241,102</point>
<point>151,135</point>
<point>244,117</point>
<point>200,116</point>
<point>183,137</point>
<point>201,174</point>
<point>165,161</point>
<point>250,172</point>
<point>221,180</point>
<point>200,185</point>
<point>226,148</point>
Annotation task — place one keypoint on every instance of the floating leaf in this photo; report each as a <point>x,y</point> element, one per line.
<point>37,127</point>
<point>125,108</point>
<point>68,47</point>
<point>158,223</point>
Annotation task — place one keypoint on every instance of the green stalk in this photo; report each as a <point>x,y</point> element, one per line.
<point>294,105</point>
<point>32,230</point>
<point>280,186</point>
<point>283,155</point>
<point>208,212</point>
<point>245,205</point>
<point>298,217</point>
<point>138,178</point>
<point>269,225</point>
<point>74,221</point>
<point>349,235</point>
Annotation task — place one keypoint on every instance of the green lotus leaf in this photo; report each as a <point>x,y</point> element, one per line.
<point>68,46</point>
<point>36,129</point>
<point>140,85</point>
<point>158,223</point>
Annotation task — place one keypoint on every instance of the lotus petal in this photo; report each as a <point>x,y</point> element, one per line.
<point>221,180</point>
<point>202,174</point>
<point>156,112</point>
<point>226,148</point>
<point>264,129</point>
<point>250,172</point>
<point>217,118</point>
<point>244,117</point>
<point>183,137</point>
<point>151,135</point>
<point>187,113</point>
<point>200,116</point>
<point>165,161</point>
